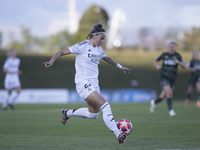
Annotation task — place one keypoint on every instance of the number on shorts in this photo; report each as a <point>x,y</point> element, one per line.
<point>87,85</point>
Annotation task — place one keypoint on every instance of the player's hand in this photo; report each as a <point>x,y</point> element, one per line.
<point>19,72</point>
<point>158,67</point>
<point>47,64</point>
<point>126,70</point>
<point>193,70</point>
<point>176,60</point>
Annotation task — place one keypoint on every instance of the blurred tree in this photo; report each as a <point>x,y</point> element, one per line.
<point>92,16</point>
<point>13,42</point>
<point>158,43</point>
<point>143,35</point>
<point>192,40</point>
<point>26,35</point>
<point>24,43</point>
<point>171,33</point>
<point>58,41</point>
<point>30,43</point>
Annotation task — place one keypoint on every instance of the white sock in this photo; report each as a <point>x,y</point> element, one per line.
<point>13,99</point>
<point>5,102</point>
<point>82,112</point>
<point>109,119</point>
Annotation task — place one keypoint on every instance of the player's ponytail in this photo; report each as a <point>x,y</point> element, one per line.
<point>97,29</point>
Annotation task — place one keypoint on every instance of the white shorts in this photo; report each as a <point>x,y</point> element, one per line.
<point>11,84</point>
<point>84,89</point>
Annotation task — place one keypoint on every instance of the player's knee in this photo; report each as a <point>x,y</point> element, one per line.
<point>93,115</point>
<point>170,95</point>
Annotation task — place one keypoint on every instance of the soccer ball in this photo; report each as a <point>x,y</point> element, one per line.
<point>125,125</point>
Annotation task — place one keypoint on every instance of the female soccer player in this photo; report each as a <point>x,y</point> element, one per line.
<point>88,55</point>
<point>171,60</point>
<point>11,68</point>
<point>194,79</point>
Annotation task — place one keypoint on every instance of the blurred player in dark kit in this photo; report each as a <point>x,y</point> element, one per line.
<point>171,60</point>
<point>194,79</point>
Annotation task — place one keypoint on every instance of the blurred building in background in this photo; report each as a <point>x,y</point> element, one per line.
<point>73,18</point>
<point>114,38</point>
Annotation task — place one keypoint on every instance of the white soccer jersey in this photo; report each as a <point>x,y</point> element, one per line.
<point>87,60</point>
<point>12,79</point>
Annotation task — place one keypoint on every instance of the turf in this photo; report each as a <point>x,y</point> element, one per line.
<point>37,126</point>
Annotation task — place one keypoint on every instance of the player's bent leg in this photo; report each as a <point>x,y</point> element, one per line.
<point>198,92</point>
<point>110,122</point>
<point>13,99</point>
<point>153,103</point>
<point>169,94</point>
<point>96,99</point>
<point>83,113</point>
<point>91,112</point>
<point>80,112</point>
<point>6,101</point>
<point>168,91</point>
<point>93,115</point>
<point>189,91</point>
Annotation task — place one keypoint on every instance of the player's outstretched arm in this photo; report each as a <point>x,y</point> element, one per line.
<point>114,63</point>
<point>158,67</point>
<point>182,64</point>
<point>56,56</point>
<point>191,69</point>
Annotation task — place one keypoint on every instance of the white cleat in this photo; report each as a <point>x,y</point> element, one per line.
<point>172,113</point>
<point>153,106</point>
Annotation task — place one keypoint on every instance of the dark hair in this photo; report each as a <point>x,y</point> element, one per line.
<point>97,28</point>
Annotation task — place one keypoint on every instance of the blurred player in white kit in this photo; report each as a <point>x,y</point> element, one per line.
<point>11,82</point>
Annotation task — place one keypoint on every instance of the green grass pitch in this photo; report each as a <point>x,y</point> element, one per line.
<point>38,127</point>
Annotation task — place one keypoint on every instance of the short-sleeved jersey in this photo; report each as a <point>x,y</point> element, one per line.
<point>169,67</point>
<point>87,61</point>
<point>194,64</point>
<point>12,65</point>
